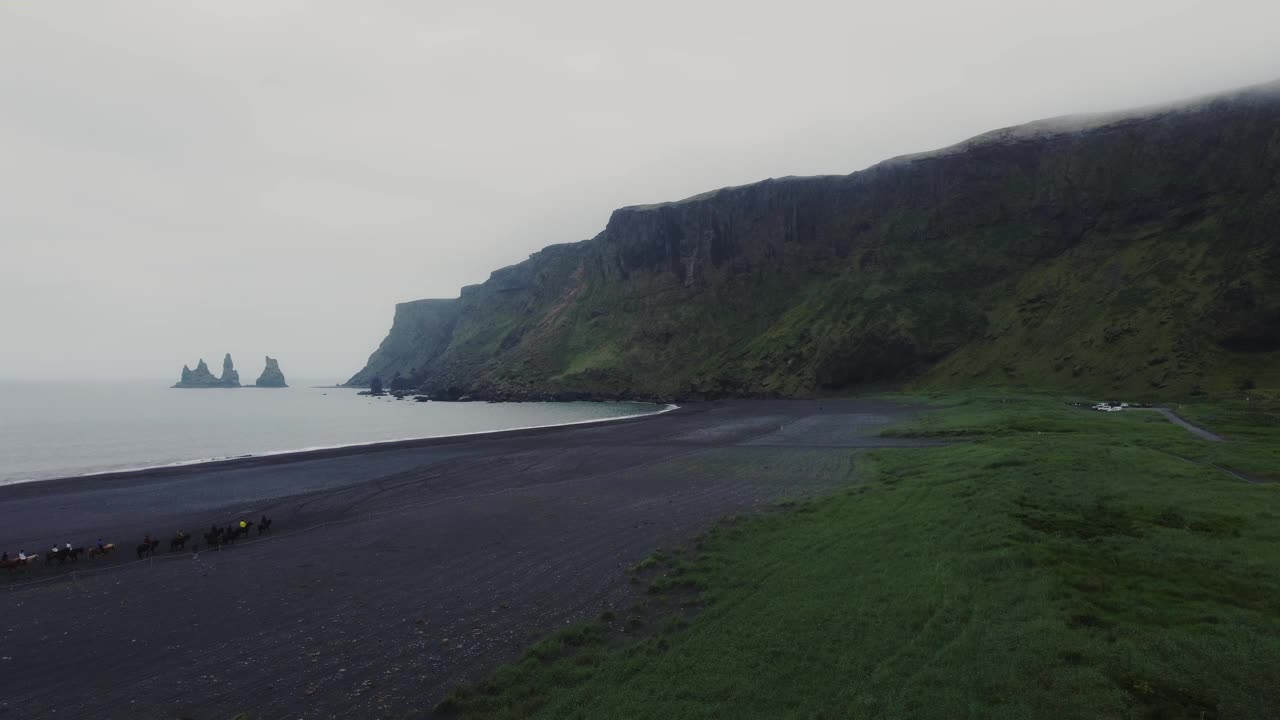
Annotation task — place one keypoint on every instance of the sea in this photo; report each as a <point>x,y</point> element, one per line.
<point>70,429</point>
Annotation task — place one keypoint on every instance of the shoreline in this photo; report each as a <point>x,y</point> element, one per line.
<point>273,457</point>
<point>481,540</point>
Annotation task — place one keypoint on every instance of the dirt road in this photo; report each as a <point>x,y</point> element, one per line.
<point>1196,430</point>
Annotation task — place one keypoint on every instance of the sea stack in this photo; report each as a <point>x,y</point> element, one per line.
<point>271,376</point>
<point>198,378</point>
<point>202,378</point>
<point>230,378</point>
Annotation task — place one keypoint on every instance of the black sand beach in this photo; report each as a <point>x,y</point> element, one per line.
<point>394,572</point>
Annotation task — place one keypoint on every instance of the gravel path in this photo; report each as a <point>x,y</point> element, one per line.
<point>1191,428</point>
<point>394,574</point>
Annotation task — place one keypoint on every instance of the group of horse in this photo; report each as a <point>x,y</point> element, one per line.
<point>216,538</point>
<point>60,554</point>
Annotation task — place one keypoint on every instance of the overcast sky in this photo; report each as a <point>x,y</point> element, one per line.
<point>183,179</point>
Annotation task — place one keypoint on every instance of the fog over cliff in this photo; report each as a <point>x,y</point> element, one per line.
<point>185,180</point>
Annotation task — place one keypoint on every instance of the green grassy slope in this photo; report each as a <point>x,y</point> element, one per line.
<point>1139,313</point>
<point>1136,257</point>
<point>1060,564</point>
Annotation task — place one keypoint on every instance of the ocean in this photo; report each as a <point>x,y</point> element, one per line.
<point>66,429</point>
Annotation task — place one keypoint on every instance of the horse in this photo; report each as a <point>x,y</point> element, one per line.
<point>62,555</point>
<point>148,548</point>
<point>101,550</point>
<point>264,527</point>
<point>19,564</point>
<point>179,541</point>
<point>245,529</point>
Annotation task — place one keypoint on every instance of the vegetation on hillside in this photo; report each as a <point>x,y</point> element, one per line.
<point>1055,563</point>
<point>1137,257</point>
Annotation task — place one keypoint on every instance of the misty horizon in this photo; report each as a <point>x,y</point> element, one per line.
<point>184,194</point>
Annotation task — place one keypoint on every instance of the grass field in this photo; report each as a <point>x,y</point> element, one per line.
<point>1052,563</point>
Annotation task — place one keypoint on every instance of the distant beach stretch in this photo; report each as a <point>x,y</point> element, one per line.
<point>550,517</point>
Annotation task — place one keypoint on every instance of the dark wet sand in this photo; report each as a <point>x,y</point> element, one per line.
<point>379,555</point>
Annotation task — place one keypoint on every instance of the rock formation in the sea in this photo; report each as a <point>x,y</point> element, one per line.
<point>201,377</point>
<point>230,378</point>
<point>271,376</point>
<point>198,378</point>
<point>1129,252</point>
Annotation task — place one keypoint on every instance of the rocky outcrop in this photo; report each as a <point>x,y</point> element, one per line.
<point>420,332</point>
<point>201,377</point>
<point>1069,253</point>
<point>198,378</point>
<point>230,378</point>
<point>271,376</point>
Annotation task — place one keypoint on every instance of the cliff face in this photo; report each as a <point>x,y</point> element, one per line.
<point>271,375</point>
<point>420,332</point>
<point>1127,253</point>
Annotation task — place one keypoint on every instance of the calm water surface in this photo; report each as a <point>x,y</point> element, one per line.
<point>51,431</point>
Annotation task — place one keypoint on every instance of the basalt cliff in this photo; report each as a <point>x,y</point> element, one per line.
<point>1135,252</point>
